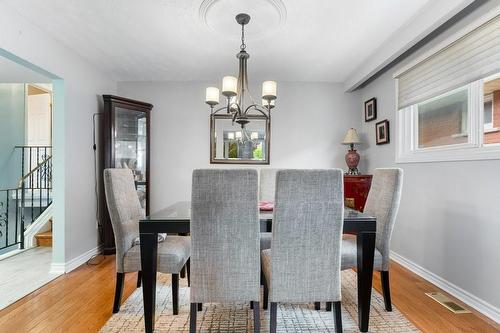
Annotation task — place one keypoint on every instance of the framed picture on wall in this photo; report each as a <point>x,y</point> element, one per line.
<point>382,132</point>
<point>371,109</point>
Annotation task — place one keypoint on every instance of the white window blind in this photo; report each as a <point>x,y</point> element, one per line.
<point>474,56</point>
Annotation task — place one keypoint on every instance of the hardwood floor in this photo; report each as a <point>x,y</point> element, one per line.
<point>81,301</point>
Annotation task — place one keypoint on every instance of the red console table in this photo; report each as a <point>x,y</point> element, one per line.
<point>356,190</point>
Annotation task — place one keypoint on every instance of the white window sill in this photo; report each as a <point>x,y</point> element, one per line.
<point>487,152</point>
<point>491,130</point>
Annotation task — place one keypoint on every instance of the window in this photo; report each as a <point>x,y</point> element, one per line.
<point>443,120</point>
<point>491,108</point>
<point>462,124</point>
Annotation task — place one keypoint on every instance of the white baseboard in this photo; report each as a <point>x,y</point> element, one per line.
<point>81,259</point>
<point>57,268</point>
<point>467,298</point>
<point>41,224</point>
<point>74,263</point>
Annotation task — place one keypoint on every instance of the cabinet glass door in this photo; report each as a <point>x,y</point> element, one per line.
<point>130,136</point>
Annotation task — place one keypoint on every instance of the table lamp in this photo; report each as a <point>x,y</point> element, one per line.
<point>352,156</point>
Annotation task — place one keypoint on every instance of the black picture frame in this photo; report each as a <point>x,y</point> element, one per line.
<point>370,109</point>
<point>382,134</point>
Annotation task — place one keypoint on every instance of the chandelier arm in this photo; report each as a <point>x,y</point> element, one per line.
<point>257,108</point>
<point>220,109</point>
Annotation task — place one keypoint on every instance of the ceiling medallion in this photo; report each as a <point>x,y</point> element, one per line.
<point>274,11</point>
<point>236,89</point>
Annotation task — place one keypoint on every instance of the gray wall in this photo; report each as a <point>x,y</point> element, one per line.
<point>308,124</point>
<point>12,133</point>
<point>449,220</point>
<point>75,227</point>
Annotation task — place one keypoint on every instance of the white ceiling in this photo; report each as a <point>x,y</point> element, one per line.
<point>288,40</point>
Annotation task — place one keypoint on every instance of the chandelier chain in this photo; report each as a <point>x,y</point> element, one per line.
<point>243,45</point>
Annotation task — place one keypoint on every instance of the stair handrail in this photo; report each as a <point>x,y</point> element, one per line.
<point>21,188</point>
<point>39,165</point>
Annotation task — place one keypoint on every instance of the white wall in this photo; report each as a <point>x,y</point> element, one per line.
<point>82,86</point>
<point>448,222</point>
<point>308,124</point>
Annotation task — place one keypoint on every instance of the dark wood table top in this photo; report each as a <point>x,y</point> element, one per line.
<point>175,219</point>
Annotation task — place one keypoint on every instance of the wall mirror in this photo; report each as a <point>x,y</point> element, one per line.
<point>230,143</point>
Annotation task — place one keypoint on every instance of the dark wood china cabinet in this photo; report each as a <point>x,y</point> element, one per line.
<point>125,140</point>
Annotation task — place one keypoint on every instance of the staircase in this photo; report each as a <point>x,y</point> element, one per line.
<point>45,238</point>
<point>25,204</point>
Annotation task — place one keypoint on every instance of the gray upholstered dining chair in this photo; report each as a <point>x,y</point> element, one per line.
<point>383,203</point>
<point>267,187</point>
<point>125,212</point>
<point>303,265</point>
<point>225,263</point>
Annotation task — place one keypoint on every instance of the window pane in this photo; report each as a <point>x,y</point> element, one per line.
<point>443,121</point>
<point>491,90</point>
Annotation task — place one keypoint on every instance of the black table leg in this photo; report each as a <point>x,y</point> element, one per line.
<point>149,249</point>
<point>365,253</point>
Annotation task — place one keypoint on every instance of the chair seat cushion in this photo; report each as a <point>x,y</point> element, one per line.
<point>173,253</point>
<point>265,240</point>
<point>265,257</point>
<point>349,254</point>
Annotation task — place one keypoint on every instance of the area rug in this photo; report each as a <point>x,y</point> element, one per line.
<point>239,317</point>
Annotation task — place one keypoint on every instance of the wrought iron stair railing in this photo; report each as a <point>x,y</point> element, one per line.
<point>21,206</point>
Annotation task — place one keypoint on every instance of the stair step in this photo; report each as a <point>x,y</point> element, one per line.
<point>44,238</point>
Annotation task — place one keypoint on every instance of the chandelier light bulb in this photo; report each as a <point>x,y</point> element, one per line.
<point>212,96</point>
<point>254,135</point>
<point>229,86</point>
<point>269,90</point>
<point>238,135</point>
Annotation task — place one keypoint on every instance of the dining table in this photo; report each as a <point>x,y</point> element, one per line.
<point>175,219</point>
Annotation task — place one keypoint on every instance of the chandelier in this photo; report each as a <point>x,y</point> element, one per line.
<point>236,89</point>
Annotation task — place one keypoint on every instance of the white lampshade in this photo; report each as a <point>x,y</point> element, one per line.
<point>269,90</point>
<point>229,86</point>
<point>230,136</point>
<point>212,96</point>
<point>238,135</point>
<point>351,137</point>
<point>271,104</point>
<point>254,135</point>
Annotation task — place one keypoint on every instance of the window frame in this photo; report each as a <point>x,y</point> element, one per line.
<point>407,150</point>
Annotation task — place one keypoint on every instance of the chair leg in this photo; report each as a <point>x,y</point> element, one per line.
<point>256,317</point>
<point>274,314</point>
<point>188,271</point>
<point>139,279</point>
<point>317,306</point>
<point>175,293</point>
<point>266,294</point>
<point>118,291</point>
<point>337,316</point>
<point>183,272</point>
<point>192,318</point>
<point>200,306</point>
<point>251,305</point>
<point>328,306</point>
<point>386,290</point>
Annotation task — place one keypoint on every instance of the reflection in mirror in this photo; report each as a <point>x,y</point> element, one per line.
<point>232,143</point>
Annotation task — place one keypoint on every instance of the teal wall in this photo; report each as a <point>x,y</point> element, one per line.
<point>12,132</point>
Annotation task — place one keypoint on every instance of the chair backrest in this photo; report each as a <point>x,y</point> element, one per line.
<point>225,258</point>
<point>383,203</point>
<point>267,184</point>
<point>124,209</point>
<point>307,234</point>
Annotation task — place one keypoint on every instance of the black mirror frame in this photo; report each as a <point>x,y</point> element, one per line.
<point>214,160</point>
